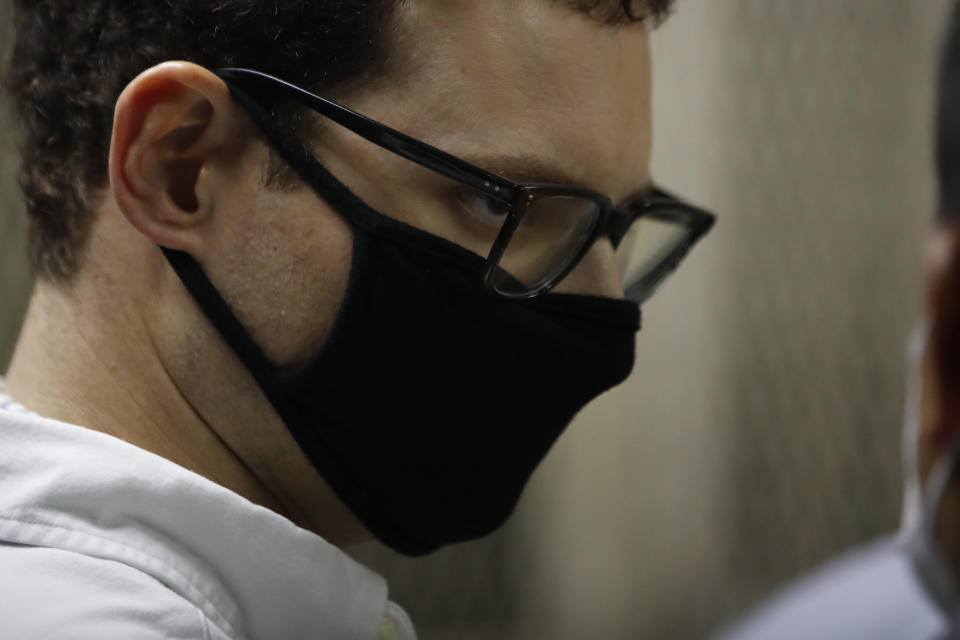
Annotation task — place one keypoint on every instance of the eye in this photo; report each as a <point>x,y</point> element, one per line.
<point>486,208</point>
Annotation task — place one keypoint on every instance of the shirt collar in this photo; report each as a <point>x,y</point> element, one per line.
<point>251,571</point>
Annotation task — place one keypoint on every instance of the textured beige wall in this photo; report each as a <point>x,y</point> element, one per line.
<point>760,431</point>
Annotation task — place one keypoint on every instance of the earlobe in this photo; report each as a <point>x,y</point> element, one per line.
<point>174,127</point>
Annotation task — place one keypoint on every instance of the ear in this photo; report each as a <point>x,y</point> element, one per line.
<point>941,364</point>
<point>176,134</point>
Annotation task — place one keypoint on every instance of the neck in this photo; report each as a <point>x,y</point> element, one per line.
<point>84,359</point>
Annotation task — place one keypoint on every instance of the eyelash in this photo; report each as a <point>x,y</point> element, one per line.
<point>468,199</point>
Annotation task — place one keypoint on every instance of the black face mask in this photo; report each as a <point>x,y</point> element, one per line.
<point>432,401</point>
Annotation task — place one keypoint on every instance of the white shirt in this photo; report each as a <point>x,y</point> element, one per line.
<point>101,540</point>
<point>870,593</point>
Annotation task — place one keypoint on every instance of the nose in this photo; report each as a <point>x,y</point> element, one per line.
<point>597,274</point>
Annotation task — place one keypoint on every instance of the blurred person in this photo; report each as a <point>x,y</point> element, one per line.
<point>266,327</point>
<point>906,586</point>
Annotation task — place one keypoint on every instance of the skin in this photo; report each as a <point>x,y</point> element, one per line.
<point>940,371</point>
<point>510,85</point>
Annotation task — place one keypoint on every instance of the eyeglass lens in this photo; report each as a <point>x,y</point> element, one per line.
<point>643,250</point>
<point>553,232</point>
<point>548,238</point>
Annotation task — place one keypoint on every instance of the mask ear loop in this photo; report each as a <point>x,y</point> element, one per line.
<point>937,483</point>
<point>913,502</point>
<point>927,554</point>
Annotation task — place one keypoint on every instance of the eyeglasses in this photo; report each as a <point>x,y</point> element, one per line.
<point>542,232</point>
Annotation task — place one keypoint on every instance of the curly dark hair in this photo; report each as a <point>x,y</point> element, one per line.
<point>71,60</point>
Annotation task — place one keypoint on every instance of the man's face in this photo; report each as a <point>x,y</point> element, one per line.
<point>524,88</point>
<point>527,89</point>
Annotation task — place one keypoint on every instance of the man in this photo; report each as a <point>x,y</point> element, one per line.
<point>285,327</point>
<point>905,587</point>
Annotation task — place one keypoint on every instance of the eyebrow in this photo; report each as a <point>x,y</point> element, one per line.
<point>644,191</point>
<point>530,169</point>
<point>525,169</point>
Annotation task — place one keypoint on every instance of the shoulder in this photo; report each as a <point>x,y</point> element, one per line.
<point>47,593</point>
<point>870,592</point>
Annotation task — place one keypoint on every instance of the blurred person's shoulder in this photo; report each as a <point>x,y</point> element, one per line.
<point>868,593</point>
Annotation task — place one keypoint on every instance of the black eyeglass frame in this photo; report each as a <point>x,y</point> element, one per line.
<point>611,221</point>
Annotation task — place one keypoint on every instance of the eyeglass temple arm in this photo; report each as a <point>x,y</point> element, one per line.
<point>377,133</point>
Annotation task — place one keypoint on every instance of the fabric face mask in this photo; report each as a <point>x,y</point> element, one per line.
<point>431,401</point>
<point>922,503</point>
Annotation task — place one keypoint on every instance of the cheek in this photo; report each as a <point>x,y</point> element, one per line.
<point>286,273</point>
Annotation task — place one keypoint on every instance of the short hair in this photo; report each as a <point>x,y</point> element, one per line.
<point>948,122</point>
<point>71,60</point>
